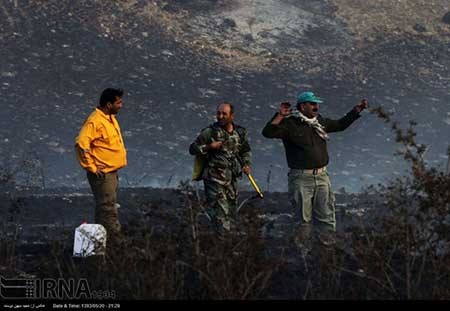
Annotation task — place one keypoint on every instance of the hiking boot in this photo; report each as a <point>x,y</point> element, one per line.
<point>327,239</point>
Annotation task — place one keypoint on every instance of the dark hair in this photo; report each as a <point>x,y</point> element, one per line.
<point>109,96</point>
<point>229,104</point>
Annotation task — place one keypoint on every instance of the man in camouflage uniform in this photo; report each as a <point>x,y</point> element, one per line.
<point>227,151</point>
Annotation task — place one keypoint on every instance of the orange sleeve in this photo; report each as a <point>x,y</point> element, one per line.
<point>83,147</point>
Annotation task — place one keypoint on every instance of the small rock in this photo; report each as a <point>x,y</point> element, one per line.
<point>446,18</point>
<point>248,38</point>
<point>419,28</point>
<point>229,23</point>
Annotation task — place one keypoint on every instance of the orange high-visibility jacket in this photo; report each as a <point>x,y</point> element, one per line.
<point>99,144</point>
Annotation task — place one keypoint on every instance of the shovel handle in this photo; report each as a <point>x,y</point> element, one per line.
<point>255,186</point>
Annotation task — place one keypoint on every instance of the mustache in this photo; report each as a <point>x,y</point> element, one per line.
<point>315,109</point>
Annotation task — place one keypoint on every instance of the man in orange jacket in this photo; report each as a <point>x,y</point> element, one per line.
<point>101,152</point>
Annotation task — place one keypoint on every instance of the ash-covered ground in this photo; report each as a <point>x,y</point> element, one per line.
<point>35,219</point>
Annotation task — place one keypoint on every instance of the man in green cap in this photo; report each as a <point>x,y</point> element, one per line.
<point>226,150</point>
<point>305,134</point>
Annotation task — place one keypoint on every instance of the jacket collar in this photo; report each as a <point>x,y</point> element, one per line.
<point>217,126</point>
<point>108,117</point>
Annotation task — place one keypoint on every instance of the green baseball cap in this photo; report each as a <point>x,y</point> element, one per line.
<point>308,97</point>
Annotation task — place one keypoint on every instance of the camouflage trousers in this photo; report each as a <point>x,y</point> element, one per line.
<point>222,203</point>
<point>313,201</point>
<point>106,212</point>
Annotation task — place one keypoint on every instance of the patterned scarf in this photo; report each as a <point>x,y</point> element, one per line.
<point>319,128</point>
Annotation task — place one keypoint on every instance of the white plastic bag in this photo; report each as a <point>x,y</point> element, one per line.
<point>90,239</point>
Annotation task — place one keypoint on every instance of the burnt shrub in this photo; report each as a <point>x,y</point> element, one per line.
<point>403,245</point>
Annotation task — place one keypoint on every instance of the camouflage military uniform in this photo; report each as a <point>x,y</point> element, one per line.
<point>223,168</point>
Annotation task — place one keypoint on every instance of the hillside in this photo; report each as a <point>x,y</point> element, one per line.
<point>178,59</point>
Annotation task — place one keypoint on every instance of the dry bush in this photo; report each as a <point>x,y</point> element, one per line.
<point>403,246</point>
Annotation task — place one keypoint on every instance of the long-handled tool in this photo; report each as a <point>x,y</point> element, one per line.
<point>252,181</point>
<point>255,186</point>
<point>258,194</point>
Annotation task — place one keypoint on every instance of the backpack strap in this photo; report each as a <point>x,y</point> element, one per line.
<point>241,131</point>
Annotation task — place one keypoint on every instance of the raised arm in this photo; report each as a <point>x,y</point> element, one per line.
<point>274,128</point>
<point>347,120</point>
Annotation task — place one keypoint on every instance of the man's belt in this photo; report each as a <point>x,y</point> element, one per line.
<point>314,171</point>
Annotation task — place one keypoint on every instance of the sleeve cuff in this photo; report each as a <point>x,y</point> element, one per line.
<point>203,149</point>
